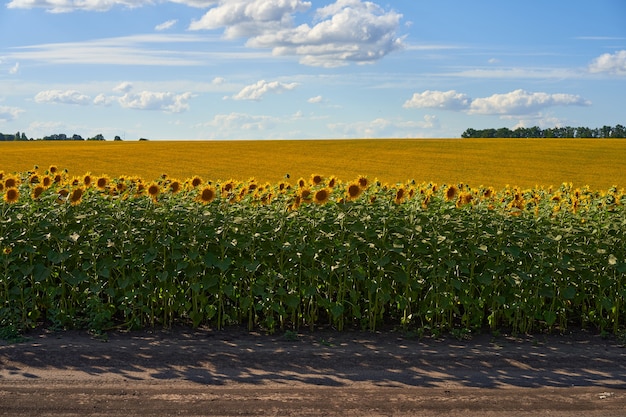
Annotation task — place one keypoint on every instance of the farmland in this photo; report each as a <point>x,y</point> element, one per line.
<point>490,162</point>
<point>107,251</point>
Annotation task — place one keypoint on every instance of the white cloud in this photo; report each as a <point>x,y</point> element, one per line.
<point>381,127</point>
<point>342,32</point>
<point>517,102</point>
<point>14,69</point>
<point>235,121</point>
<point>152,100</point>
<point>62,97</point>
<point>259,89</point>
<point>218,81</point>
<point>8,114</point>
<point>316,99</point>
<point>123,87</point>
<point>243,18</point>
<point>62,6</point>
<point>610,63</point>
<point>346,31</point>
<point>103,100</point>
<point>124,50</point>
<point>446,100</point>
<point>166,25</point>
<point>520,102</point>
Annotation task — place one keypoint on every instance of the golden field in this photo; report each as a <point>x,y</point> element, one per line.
<point>598,163</point>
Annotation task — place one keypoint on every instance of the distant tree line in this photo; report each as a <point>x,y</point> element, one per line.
<point>57,136</point>
<point>618,131</point>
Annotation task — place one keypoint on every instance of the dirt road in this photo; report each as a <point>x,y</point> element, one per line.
<point>234,372</point>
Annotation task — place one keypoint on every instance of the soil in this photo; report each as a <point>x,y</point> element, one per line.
<point>234,372</point>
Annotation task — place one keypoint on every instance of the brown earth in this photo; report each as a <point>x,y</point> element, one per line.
<point>234,372</point>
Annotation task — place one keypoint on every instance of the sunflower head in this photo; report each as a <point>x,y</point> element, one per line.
<point>37,191</point>
<point>305,194</point>
<point>196,181</point>
<point>34,178</point>
<point>353,191</point>
<point>76,195</point>
<point>363,182</point>
<point>53,169</point>
<point>175,186</point>
<point>301,183</point>
<point>87,180</point>
<point>207,194</point>
<point>400,195</point>
<point>451,192</point>
<point>102,182</point>
<point>12,195</point>
<point>153,190</point>
<point>11,182</point>
<point>332,182</point>
<point>321,196</point>
<point>316,179</point>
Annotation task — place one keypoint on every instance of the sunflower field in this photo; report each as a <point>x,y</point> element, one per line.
<point>98,253</point>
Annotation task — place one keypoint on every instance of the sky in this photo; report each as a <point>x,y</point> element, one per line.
<point>307,69</point>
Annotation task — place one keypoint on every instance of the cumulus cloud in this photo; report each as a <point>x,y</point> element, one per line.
<point>123,87</point>
<point>234,121</point>
<point>166,25</point>
<point>314,100</point>
<point>517,102</point>
<point>14,69</point>
<point>610,63</point>
<point>522,102</point>
<point>342,32</point>
<point>346,31</point>
<point>447,100</point>
<point>103,100</point>
<point>259,89</point>
<point>62,97</point>
<point>244,18</point>
<point>153,100</point>
<point>8,114</point>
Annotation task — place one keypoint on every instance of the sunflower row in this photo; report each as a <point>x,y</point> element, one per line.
<point>316,189</point>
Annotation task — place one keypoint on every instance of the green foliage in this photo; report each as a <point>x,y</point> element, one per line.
<point>435,259</point>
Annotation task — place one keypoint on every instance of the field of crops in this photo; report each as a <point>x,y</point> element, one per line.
<point>107,251</point>
<point>489,162</point>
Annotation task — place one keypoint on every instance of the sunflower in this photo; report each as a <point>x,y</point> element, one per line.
<point>153,190</point>
<point>316,179</point>
<point>301,183</point>
<point>46,181</point>
<point>196,181</point>
<point>353,191</point>
<point>207,195</point>
<point>87,180</point>
<point>102,182</point>
<point>175,186</point>
<point>12,195</point>
<point>464,198</point>
<point>321,196</point>
<point>1,186</point>
<point>53,169</point>
<point>228,188</point>
<point>362,181</point>
<point>400,195</point>
<point>451,192</point>
<point>76,195</point>
<point>57,178</point>
<point>34,179</point>
<point>11,182</point>
<point>305,194</point>
<point>332,182</point>
<point>37,191</point>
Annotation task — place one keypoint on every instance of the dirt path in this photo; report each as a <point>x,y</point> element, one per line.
<point>232,372</point>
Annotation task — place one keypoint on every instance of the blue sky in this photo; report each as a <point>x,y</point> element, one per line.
<point>298,69</point>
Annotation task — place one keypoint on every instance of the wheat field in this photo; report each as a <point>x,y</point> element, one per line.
<point>598,163</point>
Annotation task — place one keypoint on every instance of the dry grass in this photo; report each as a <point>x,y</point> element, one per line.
<point>494,162</point>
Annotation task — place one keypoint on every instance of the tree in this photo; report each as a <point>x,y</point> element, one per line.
<point>117,138</point>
